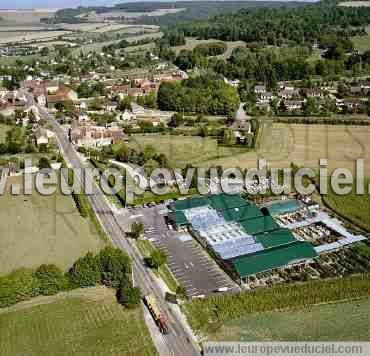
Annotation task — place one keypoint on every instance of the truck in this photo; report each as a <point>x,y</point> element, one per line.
<point>161,322</point>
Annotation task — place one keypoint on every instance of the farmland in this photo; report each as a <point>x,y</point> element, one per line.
<point>42,229</point>
<point>208,314</point>
<point>81,322</point>
<point>362,43</point>
<point>304,145</point>
<point>191,43</point>
<point>318,323</point>
<point>24,17</point>
<point>353,206</point>
<point>181,150</point>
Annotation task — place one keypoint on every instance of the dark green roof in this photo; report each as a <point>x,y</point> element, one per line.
<point>225,201</point>
<point>242,213</point>
<point>180,218</point>
<point>273,258</point>
<point>259,225</point>
<point>275,238</point>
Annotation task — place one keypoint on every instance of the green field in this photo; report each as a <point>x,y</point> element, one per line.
<point>353,206</point>
<point>81,322</point>
<point>3,129</point>
<point>332,322</point>
<point>362,43</point>
<point>40,229</point>
<point>181,150</point>
<point>191,43</point>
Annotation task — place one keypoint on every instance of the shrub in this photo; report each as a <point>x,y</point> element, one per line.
<point>51,279</point>
<point>85,272</point>
<point>128,295</point>
<point>114,265</point>
<point>18,286</point>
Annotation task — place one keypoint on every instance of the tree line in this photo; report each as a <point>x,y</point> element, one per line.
<point>110,267</point>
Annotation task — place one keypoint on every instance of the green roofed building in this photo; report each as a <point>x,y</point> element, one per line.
<point>242,213</point>
<point>259,224</point>
<point>275,238</point>
<point>265,260</point>
<point>239,234</point>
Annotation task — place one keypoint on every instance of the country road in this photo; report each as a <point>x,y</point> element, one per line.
<point>179,341</point>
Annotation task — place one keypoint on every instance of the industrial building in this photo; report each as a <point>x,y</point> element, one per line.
<point>243,240</point>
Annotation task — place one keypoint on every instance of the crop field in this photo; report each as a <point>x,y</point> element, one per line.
<point>19,36</point>
<point>318,323</point>
<point>38,229</point>
<point>181,150</point>
<point>304,145</point>
<point>191,43</point>
<point>362,43</point>
<point>24,17</point>
<point>129,14</point>
<point>353,206</point>
<point>82,322</point>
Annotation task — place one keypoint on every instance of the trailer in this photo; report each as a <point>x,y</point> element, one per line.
<point>161,322</point>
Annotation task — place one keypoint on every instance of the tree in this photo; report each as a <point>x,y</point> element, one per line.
<point>176,120</point>
<point>114,266</point>
<point>137,229</point>
<point>85,271</point>
<point>43,163</point>
<point>125,104</point>
<point>157,258</point>
<point>181,292</point>
<point>51,279</point>
<point>128,295</point>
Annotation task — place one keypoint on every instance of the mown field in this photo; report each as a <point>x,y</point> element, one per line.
<point>38,229</point>
<point>353,206</point>
<point>362,43</point>
<point>81,322</point>
<point>181,150</point>
<point>191,43</point>
<point>304,145</point>
<point>24,17</point>
<point>332,322</point>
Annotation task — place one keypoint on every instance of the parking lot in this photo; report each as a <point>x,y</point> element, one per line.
<point>188,261</point>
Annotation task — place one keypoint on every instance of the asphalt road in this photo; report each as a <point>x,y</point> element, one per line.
<point>178,342</point>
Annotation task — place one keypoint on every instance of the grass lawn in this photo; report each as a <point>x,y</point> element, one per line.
<point>355,207</point>
<point>146,248</point>
<point>181,150</point>
<point>81,322</point>
<point>40,229</point>
<point>362,43</point>
<point>332,322</point>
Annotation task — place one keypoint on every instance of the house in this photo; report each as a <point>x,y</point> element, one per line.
<point>314,93</point>
<point>3,92</point>
<point>265,98</point>
<point>95,136</point>
<point>111,106</point>
<point>260,89</point>
<point>41,99</point>
<point>126,116</point>
<point>288,93</point>
<point>51,86</point>
<point>62,95</point>
<point>81,116</point>
<point>293,104</point>
<point>42,136</point>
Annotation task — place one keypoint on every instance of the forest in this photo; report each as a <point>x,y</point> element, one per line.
<point>203,94</point>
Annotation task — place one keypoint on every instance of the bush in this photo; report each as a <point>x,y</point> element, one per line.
<point>85,272</point>
<point>51,279</point>
<point>128,295</point>
<point>18,286</point>
<point>114,265</point>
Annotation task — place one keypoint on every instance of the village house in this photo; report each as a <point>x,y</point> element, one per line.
<point>290,93</point>
<point>81,116</point>
<point>94,136</point>
<point>260,89</point>
<point>265,98</point>
<point>292,105</point>
<point>314,93</point>
<point>43,136</point>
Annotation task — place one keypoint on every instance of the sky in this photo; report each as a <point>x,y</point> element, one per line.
<point>56,4</point>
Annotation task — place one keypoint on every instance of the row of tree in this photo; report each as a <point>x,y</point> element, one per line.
<point>110,267</point>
